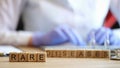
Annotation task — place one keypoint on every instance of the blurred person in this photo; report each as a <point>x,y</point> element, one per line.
<point>112,34</point>
<point>51,22</point>
<point>42,26</point>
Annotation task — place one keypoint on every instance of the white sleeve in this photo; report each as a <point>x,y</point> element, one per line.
<point>117,33</point>
<point>15,38</point>
<point>115,8</point>
<point>10,11</point>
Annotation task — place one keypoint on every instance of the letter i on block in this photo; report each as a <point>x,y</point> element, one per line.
<point>13,57</point>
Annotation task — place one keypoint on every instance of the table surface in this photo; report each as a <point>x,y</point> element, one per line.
<point>60,62</point>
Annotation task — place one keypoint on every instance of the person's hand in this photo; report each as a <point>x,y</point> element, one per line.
<point>105,33</point>
<point>61,34</point>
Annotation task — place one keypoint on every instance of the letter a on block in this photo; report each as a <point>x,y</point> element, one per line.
<point>80,53</point>
<point>23,57</point>
<point>13,57</point>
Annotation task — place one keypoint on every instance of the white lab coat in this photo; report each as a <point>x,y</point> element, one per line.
<point>115,8</point>
<point>45,15</point>
<point>82,15</point>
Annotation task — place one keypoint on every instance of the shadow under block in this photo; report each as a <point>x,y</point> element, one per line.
<point>27,57</point>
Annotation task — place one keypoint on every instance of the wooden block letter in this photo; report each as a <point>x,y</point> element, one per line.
<point>71,54</point>
<point>80,54</point>
<point>49,53</point>
<point>41,57</point>
<point>64,53</point>
<point>54,52</point>
<point>105,54</point>
<point>32,57</point>
<point>88,54</point>
<point>13,57</point>
<point>57,53</point>
<point>96,54</point>
<point>23,57</point>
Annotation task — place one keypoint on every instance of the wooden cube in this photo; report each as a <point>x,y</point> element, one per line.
<point>57,53</point>
<point>32,57</point>
<point>96,54</point>
<point>80,54</point>
<point>105,54</point>
<point>41,57</point>
<point>23,57</point>
<point>88,53</point>
<point>49,53</point>
<point>13,57</point>
<point>53,53</point>
<point>71,53</point>
<point>64,53</point>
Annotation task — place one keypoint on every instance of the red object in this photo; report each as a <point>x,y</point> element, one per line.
<point>110,20</point>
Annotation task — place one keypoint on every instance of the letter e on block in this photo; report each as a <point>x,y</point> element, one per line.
<point>71,54</point>
<point>41,57</point>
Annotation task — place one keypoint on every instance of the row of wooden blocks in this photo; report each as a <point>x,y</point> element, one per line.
<point>78,53</point>
<point>27,57</point>
<point>41,57</point>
